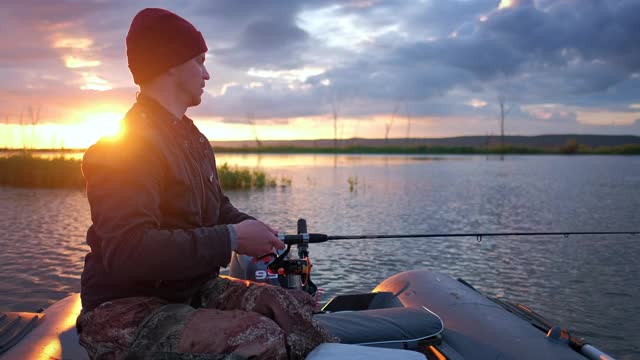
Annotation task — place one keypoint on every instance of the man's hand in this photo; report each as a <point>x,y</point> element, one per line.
<point>256,239</point>
<point>274,231</point>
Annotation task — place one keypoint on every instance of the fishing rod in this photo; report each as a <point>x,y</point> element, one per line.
<point>318,238</point>
<point>296,272</point>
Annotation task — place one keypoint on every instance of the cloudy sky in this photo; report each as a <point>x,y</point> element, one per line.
<point>430,68</point>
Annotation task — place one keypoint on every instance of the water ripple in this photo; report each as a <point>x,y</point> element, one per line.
<point>589,284</point>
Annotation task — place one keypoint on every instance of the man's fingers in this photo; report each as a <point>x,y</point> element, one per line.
<point>278,244</point>
<point>272,230</point>
<point>256,238</point>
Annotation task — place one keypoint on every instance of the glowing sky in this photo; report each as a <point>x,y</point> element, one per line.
<point>562,66</point>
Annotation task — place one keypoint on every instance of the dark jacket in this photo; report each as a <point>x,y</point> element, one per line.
<point>157,208</point>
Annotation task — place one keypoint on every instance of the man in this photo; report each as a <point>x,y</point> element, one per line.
<point>162,227</point>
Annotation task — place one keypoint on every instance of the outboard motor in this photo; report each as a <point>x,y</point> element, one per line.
<point>251,268</point>
<point>281,268</point>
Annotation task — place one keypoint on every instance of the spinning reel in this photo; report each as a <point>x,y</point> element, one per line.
<point>295,273</point>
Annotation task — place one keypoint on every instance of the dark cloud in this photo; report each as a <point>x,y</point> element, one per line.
<point>532,54</point>
<point>483,57</point>
<point>241,11</point>
<point>445,17</point>
<point>48,13</point>
<point>409,80</point>
<point>270,35</point>
<point>617,97</point>
<point>263,103</point>
<point>267,43</point>
<point>568,31</point>
<point>436,56</point>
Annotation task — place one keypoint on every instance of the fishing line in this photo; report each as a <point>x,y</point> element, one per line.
<point>317,238</point>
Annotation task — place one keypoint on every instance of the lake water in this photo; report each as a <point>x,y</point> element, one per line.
<point>588,284</point>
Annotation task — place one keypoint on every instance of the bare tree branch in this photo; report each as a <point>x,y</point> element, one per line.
<point>251,121</point>
<point>389,123</point>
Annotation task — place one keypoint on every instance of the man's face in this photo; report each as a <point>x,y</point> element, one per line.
<point>190,79</point>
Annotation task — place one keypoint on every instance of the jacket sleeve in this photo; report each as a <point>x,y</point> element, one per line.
<point>228,213</point>
<point>124,184</point>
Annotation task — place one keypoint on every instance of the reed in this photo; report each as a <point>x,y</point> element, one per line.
<point>629,149</point>
<point>353,183</point>
<point>238,178</point>
<point>27,171</point>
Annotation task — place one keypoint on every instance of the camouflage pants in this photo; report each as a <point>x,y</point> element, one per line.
<point>238,320</point>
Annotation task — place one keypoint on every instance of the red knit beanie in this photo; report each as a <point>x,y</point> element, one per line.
<point>159,40</point>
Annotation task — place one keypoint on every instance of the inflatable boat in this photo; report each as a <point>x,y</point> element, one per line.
<point>421,311</point>
<point>415,314</point>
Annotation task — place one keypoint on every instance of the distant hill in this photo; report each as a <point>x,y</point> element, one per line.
<point>540,141</point>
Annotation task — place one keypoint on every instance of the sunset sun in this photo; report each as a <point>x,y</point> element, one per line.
<point>92,126</point>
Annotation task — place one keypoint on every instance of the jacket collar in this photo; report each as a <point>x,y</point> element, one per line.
<point>152,110</point>
<point>155,108</point>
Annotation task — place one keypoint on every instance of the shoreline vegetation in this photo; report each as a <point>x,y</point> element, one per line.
<point>569,149</point>
<point>481,145</point>
<point>561,144</point>
<point>51,168</point>
<point>25,169</point>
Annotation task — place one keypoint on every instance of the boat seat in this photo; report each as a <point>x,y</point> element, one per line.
<point>329,351</point>
<point>392,328</point>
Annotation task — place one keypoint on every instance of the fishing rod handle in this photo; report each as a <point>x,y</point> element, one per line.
<point>300,238</point>
<point>302,226</point>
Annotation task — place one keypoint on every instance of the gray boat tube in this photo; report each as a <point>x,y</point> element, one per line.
<point>476,327</point>
<point>592,353</point>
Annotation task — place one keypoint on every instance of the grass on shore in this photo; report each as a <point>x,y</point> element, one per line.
<point>569,148</point>
<point>25,170</point>
<point>239,178</point>
<point>28,171</point>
